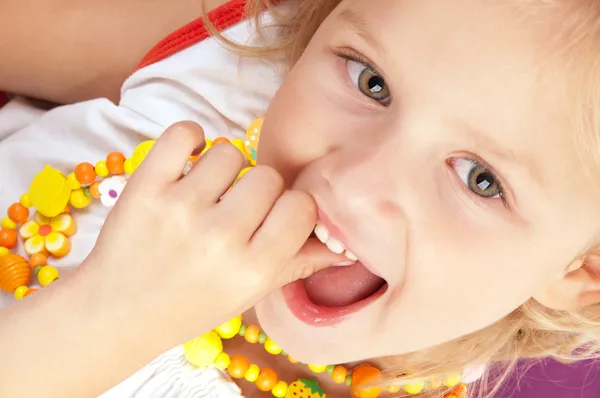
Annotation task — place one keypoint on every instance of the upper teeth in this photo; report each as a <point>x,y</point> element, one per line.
<point>333,244</point>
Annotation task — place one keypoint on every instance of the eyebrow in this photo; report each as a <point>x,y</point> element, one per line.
<point>481,139</point>
<point>358,24</point>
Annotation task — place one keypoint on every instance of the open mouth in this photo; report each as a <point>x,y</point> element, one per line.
<point>333,294</point>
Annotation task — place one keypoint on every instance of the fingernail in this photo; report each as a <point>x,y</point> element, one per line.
<point>343,263</point>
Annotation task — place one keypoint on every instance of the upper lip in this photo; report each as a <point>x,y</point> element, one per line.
<point>339,234</point>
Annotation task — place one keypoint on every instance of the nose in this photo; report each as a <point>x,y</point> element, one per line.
<point>368,182</point>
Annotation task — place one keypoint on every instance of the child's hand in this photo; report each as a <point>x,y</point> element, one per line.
<point>173,257</point>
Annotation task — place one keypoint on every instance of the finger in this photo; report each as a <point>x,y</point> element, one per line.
<point>312,257</point>
<point>285,229</point>
<point>252,198</point>
<point>213,173</point>
<point>168,157</point>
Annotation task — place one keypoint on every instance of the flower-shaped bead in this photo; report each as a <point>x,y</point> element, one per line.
<point>110,190</point>
<point>44,234</point>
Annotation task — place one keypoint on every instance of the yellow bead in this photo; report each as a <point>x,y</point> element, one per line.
<point>101,169</point>
<point>435,384</point>
<point>47,275</point>
<point>280,389</point>
<point>414,388</point>
<point>25,200</point>
<point>203,350</point>
<point>73,182</point>
<point>4,251</point>
<point>206,147</point>
<point>20,292</point>
<point>317,368</point>
<point>272,348</point>
<point>79,199</point>
<point>223,360</point>
<point>230,329</point>
<point>252,373</point>
<point>129,166</point>
<point>7,223</point>
<point>393,389</point>
<point>452,381</point>
<point>239,144</point>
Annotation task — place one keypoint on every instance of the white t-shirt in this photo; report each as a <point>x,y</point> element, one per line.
<point>205,83</point>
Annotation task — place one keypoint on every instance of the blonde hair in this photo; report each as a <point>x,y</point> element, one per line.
<point>532,331</point>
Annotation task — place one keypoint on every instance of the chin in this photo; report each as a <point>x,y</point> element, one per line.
<point>327,344</point>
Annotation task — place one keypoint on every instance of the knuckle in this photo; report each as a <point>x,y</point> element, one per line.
<point>187,132</point>
<point>268,176</point>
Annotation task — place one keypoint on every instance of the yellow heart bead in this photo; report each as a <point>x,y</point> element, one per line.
<point>7,223</point>
<point>272,348</point>
<point>203,350</point>
<point>252,373</point>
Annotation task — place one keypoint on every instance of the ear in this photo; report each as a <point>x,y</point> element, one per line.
<point>578,287</point>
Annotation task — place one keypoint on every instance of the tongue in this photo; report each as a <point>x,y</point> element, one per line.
<point>342,286</point>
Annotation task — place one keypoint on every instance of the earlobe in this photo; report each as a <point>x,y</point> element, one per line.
<point>578,287</point>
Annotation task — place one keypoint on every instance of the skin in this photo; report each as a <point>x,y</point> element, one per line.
<point>391,177</point>
<point>388,175</point>
<point>65,51</point>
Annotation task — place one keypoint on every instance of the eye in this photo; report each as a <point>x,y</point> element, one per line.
<point>478,178</point>
<point>369,82</point>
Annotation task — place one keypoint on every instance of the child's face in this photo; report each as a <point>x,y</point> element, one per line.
<point>448,166</point>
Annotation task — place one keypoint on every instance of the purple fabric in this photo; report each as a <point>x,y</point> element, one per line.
<point>550,379</point>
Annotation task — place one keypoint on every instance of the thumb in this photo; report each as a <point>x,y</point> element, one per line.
<point>312,257</point>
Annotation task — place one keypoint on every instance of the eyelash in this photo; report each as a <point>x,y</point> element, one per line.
<point>349,54</point>
<point>479,163</point>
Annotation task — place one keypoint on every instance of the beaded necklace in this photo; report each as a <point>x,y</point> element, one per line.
<point>43,220</point>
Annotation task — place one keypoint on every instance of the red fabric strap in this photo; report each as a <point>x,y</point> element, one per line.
<point>222,17</point>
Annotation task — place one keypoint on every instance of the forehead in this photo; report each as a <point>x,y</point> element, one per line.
<point>480,65</point>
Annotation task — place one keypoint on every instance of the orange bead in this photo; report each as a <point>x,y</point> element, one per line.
<point>252,333</point>
<point>364,375</point>
<point>339,374</point>
<point>238,366</point>
<point>18,213</point>
<point>266,380</point>
<point>8,238</point>
<point>85,173</point>
<point>30,291</point>
<point>220,140</point>
<point>14,272</point>
<point>94,190</point>
<point>67,209</point>
<point>115,162</point>
<point>37,259</point>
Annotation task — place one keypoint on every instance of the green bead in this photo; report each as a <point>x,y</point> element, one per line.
<point>348,381</point>
<point>86,192</point>
<point>37,269</point>
<point>329,369</point>
<point>242,331</point>
<point>284,353</point>
<point>262,337</point>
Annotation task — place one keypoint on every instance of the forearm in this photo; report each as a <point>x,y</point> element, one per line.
<point>60,342</point>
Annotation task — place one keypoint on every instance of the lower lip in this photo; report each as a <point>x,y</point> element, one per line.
<point>305,310</point>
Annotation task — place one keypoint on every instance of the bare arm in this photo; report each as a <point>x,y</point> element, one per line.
<point>66,51</point>
<point>62,342</point>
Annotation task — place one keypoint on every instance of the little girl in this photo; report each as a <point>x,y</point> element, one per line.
<point>449,148</point>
